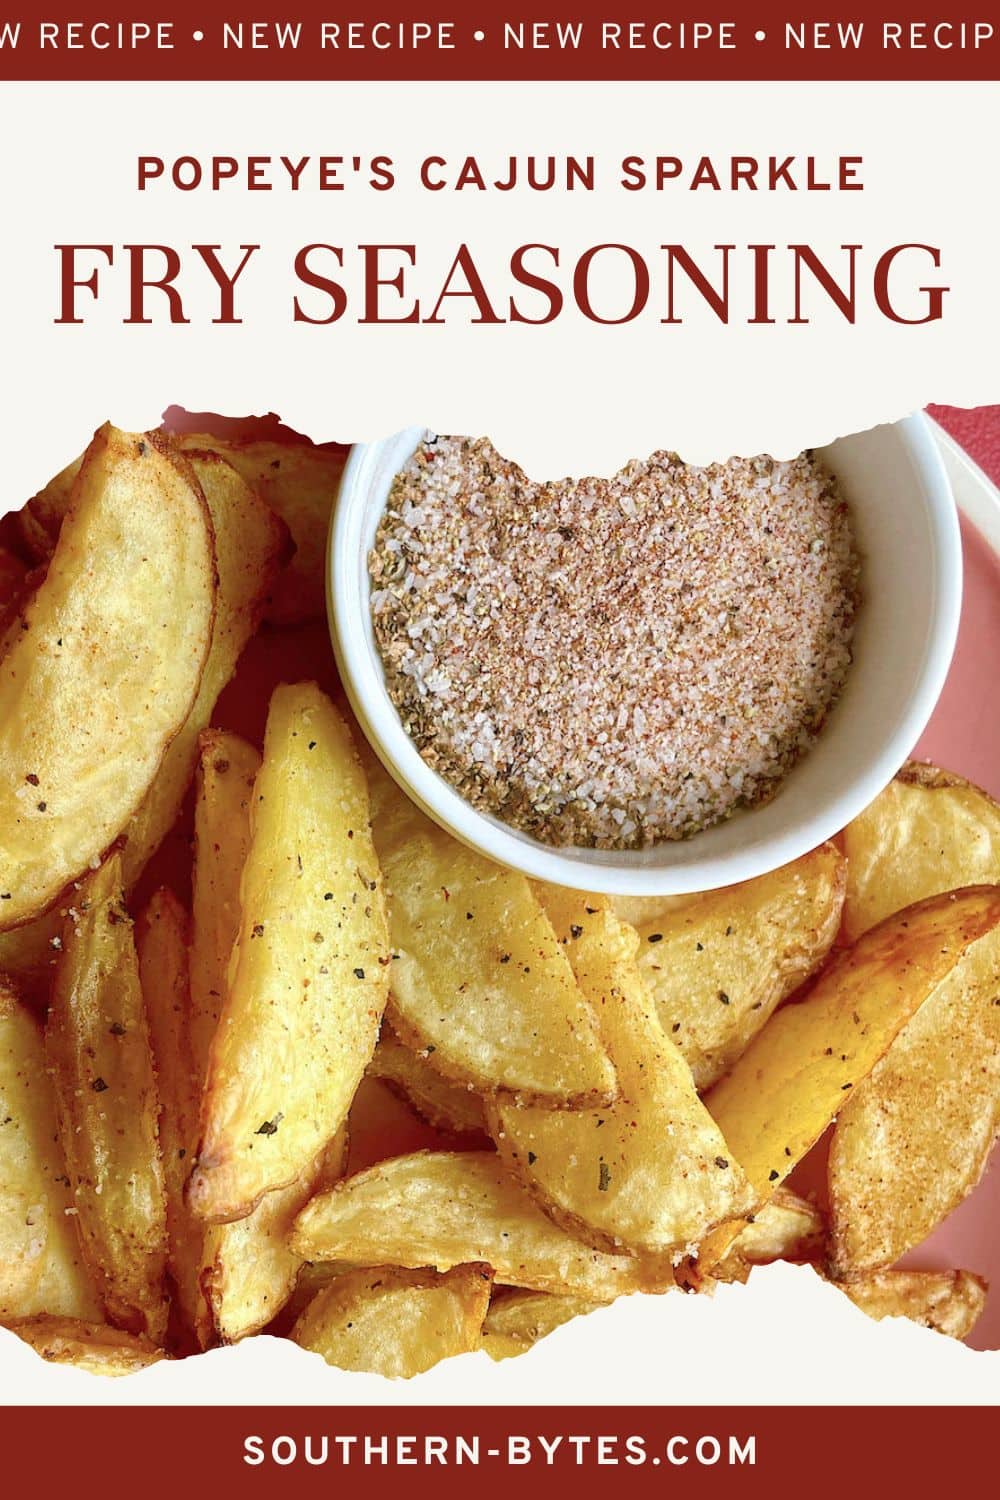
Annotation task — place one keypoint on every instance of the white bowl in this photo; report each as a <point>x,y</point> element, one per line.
<point>907,530</point>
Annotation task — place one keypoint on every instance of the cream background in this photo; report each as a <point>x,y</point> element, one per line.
<point>563,398</point>
<point>569,397</point>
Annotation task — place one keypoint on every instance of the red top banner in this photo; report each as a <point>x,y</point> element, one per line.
<point>808,41</point>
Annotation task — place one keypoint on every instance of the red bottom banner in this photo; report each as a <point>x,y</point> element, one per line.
<point>462,1451</point>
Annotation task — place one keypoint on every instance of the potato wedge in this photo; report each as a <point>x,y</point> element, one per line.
<point>251,544</point>
<point>94,690</point>
<point>928,831</point>
<point>299,482</point>
<point>786,1228</point>
<point>479,984</point>
<point>309,974</point>
<point>950,1302</point>
<point>89,1346</point>
<point>518,1319</point>
<point>792,1080</point>
<point>161,947</point>
<point>445,1105</point>
<point>719,963</point>
<point>41,1261</point>
<point>227,770</point>
<point>98,1047</point>
<point>449,1208</point>
<point>916,1134</point>
<point>652,1171</point>
<point>250,1269</point>
<point>46,511</point>
<point>396,1323</point>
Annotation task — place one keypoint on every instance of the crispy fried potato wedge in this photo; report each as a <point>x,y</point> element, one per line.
<point>89,1346</point>
<point>929,831</point>
<point>652,1171</point>
<point>227,770</point>
<point>309,974</point>
<point>251,544</point>
<point>479,984</point>
<point>448,1208</point>
<point>787,1228</point>
<point>98,1047</point>
<point>161,946</point>
<point>94,690</point>
<point>41,1261</point>
<point>950,1302</point>
<point>445,1105</point>
<point>518,1319</point>
<point>792,1080</point>
<point>250,1269</point>
<point>46,511</point>
<point>299,482</point>
<point>719,963</point>
<point>396,1323</point>
<point>915,1136</point>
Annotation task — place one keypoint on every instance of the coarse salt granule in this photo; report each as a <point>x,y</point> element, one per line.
<point>613,662</point>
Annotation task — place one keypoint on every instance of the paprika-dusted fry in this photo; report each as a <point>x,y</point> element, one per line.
<point>98,1047</point>
<point>916,1135</point>
<point>309,974</point>
<point>250,545</point>
<point>793,1078</point>
<point>397,1323</point>
<point>41,1260</point>
<point>720,962</point>
<point>652,1171</point>
<point>106,670</point>
<point>446,1208</point>
<point>480,987</point>
<point>94,1347</point>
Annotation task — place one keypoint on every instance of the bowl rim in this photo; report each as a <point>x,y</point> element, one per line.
<point>620,872</point>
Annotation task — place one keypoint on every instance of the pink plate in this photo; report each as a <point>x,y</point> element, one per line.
<point>964,736</point>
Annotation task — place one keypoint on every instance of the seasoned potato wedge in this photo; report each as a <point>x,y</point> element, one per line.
<point>99,1051</point>
<point>518,1319</point>
<point>786,1228</point>
<point>227,770</point>
<point>250,545</point>
<point>299,482</point>
<point>46,511</point>
<point>250,1268</point>
<point>93,1347</point>
<point>95,688</point>
<point>41,1261</point>
<point>161,946</point>
<point>915,1136</point>
<point>652,1171</point>
<point>792,1080</point>
<point>950,1302</point>
<point>479,984</point>
<point>929,831</point>
<point>719,963</point>
<point>387,1321</point>
<point>445,1105</point>
<point>309,974</point>
<point>448,1208</point>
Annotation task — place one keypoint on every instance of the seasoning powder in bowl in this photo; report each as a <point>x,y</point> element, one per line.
<point>616,662</point>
